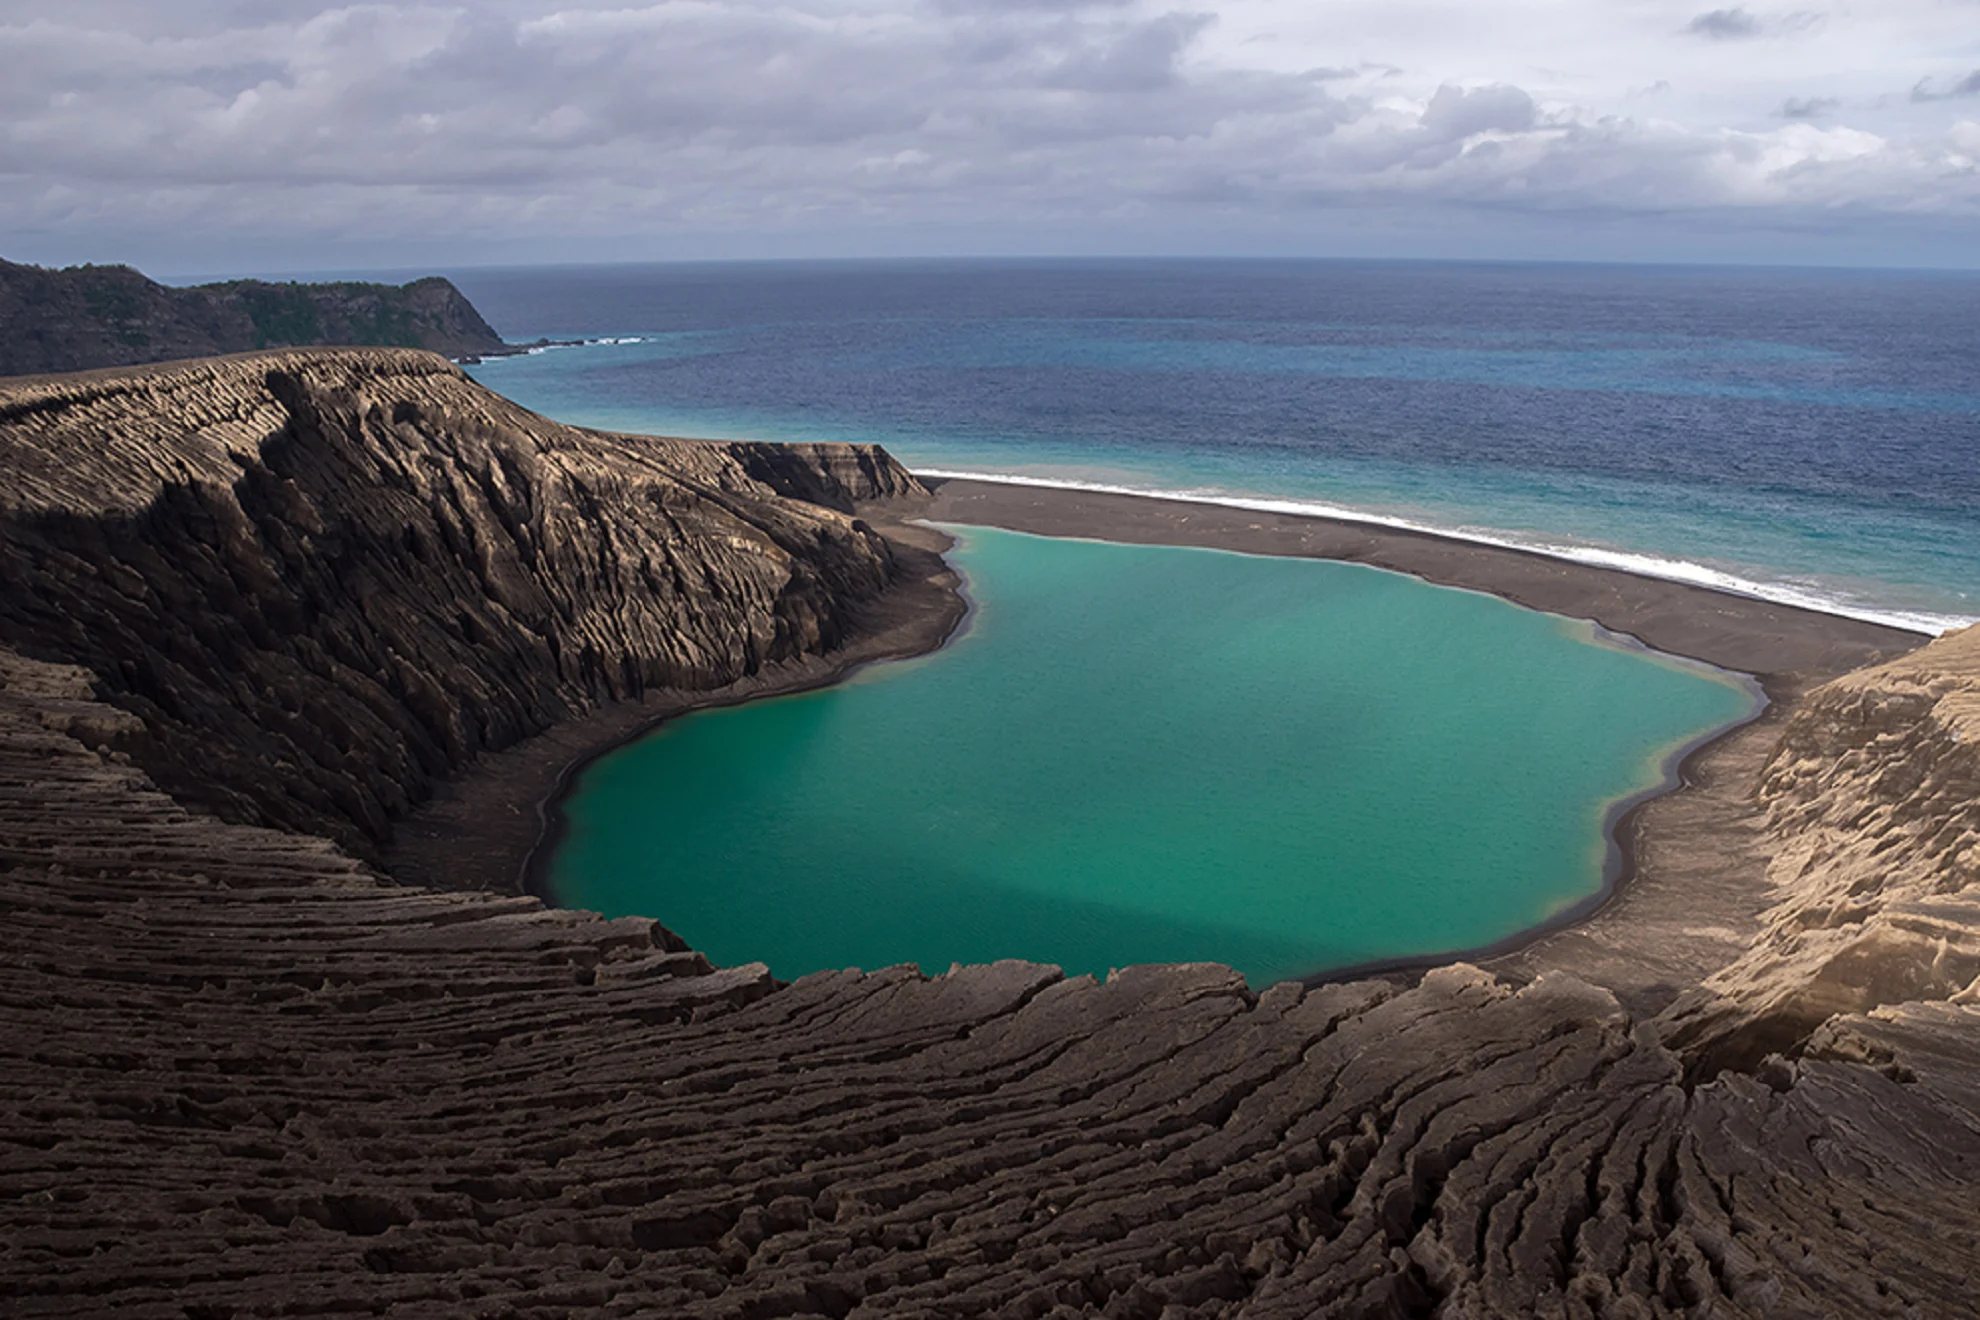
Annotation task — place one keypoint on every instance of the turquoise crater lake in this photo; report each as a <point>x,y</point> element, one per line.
<point>1150,754</point>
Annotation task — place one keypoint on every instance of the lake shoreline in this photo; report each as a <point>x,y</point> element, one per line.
<point>1691,880</point>
<point>1639,933</point>
<point>1618,872</point>
<point>494,827</point>
<point>1745,634</point>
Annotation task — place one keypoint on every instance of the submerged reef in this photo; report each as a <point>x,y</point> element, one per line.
<point>256,610</point>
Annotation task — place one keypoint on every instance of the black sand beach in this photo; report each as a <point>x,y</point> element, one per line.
<point>1733,632</point>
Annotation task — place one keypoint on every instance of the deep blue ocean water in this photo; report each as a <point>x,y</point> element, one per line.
<point>1812,436</point>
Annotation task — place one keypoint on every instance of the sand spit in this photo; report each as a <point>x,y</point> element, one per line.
<point>1734,632</point>
<point>246,1074</point>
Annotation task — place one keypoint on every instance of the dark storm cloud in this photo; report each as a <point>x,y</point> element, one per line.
<point>1807,107</point>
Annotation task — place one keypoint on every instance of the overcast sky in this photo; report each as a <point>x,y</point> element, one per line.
<point>220,136</point>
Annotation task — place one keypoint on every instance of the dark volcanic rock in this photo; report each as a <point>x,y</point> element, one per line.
<point>112,316</point>
<point>836,476</point>
<point>323,580</point>
<point>243,1075</point>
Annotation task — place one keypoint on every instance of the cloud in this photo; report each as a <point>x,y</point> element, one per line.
<point>1456,113</point>
<point>1137,57</point>
<point>1738,24</point>
<point>1967,86</point>
<point>552,120</point>
<point>1724,25</point>
<point>1060,6</point>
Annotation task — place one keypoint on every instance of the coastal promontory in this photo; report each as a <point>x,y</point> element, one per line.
<point>258,609</point>
<point>82,317</point>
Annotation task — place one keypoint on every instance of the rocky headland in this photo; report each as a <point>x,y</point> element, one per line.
<point>83,317</point>
<point>256,611</point>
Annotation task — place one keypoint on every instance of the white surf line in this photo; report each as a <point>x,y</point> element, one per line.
<point>1642,565</point>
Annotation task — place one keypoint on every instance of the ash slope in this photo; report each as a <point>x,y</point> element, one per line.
<point>1874,795</point>
<point>245,1075</point>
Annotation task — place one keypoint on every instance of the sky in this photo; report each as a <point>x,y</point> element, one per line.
<point>264,136</point>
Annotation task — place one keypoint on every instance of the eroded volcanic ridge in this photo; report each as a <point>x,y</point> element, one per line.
<point>258,610</point>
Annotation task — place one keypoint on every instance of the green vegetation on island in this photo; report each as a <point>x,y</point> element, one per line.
<point>111,316</point>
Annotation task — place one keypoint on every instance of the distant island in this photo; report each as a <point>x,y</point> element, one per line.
<point>83,317</point>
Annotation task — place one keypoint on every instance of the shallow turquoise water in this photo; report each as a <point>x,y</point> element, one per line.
<point>1149,754</point>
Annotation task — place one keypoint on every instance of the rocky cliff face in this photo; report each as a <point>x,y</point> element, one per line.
<point>112,316</point>
<point>322,580</point>
<point>1874,796</point>
<point>243,1075</point>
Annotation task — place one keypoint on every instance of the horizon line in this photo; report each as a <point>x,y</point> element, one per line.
<point>310,274</point>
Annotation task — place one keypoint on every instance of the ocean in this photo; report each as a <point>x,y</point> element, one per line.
<point>1151,754</point>
<point>1808,436</point>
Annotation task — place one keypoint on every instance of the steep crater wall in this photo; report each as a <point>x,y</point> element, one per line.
<point>323,580</point>
<point>242,1074</point>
